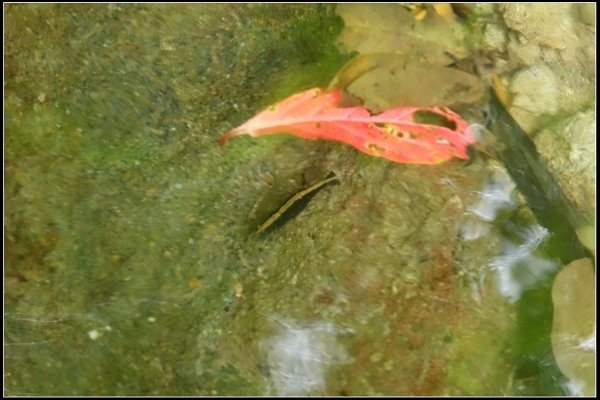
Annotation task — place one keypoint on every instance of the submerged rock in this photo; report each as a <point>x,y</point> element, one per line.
<point>558,53</point>
<point>573,329</point>
<point>569,150</point>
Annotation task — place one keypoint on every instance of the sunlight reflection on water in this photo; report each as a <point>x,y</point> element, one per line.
<point>518,268</point>
<point>299,356</point>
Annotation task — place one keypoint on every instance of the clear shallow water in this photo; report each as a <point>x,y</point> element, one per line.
<point>130,264</point>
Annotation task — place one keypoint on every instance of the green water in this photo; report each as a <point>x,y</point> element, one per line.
<point>130,268</point>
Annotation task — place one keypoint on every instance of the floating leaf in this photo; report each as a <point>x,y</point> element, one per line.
<point>419,135</point>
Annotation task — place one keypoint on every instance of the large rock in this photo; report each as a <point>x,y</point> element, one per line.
<point>573,328</point>
<point>569,150</point>
<point>558,53</point>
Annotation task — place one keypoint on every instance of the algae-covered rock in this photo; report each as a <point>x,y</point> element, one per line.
<point>120,203</point>
<point>132,260</point>
<point>373,259</point>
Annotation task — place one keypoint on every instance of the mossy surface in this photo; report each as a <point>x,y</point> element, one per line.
<point>119,200</point>
<point>130,262</point>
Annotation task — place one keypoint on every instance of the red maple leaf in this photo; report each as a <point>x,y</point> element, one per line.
<point>392,134</point>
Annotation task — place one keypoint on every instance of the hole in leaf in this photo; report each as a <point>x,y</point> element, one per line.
<point>431,118</point>
<point>407,135</point>
<point>377,151</point>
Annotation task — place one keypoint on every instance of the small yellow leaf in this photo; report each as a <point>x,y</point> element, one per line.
<point>444,10</point>
<point>419,13</point>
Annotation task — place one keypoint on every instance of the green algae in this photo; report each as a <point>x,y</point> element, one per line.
<point>115,182</point>
<point>128,263</point>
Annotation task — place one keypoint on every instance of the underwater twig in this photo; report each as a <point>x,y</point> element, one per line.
<point>293,200</point>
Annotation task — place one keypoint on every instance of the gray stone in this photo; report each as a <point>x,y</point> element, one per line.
<point>587,12</point>
<point>537,93</point>
<point>574,169</point>
<point>543,24</point>
<point>495,37</point>
<point>558,51</point>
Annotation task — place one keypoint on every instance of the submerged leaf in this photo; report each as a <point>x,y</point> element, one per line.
<point>391,28</point>
<point>393,134</point>
<point>387,80</point>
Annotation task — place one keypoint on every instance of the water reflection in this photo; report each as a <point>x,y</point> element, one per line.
<point>300,355</point>
<point>497,194</point>
<point>517,267</point>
